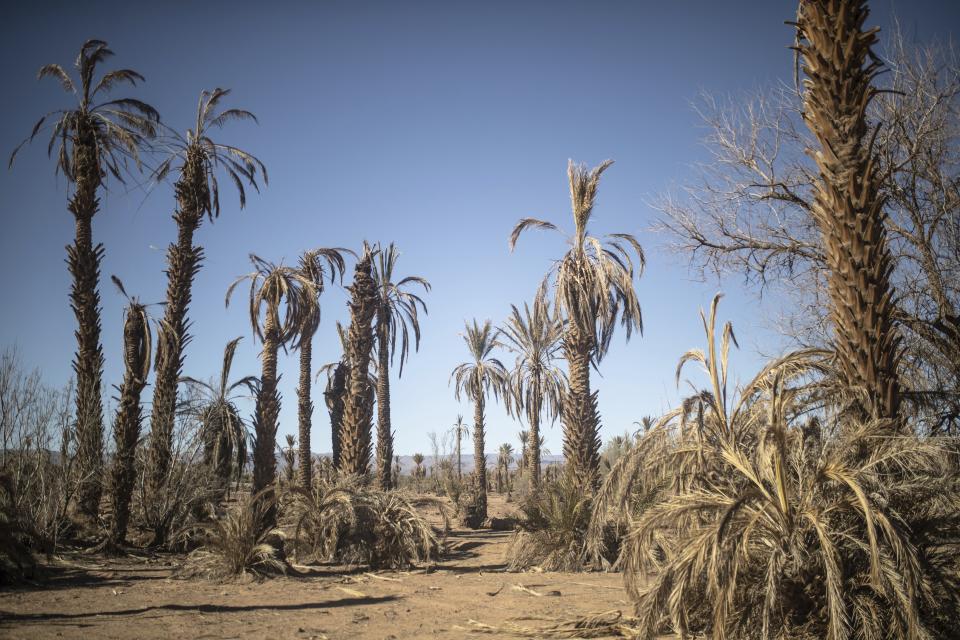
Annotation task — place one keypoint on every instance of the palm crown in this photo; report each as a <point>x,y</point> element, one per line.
<point>398,306</point>
<point>270,286</point>
<point>483,374</point>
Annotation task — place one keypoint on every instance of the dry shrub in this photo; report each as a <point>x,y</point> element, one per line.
<point>768,514</point>
<point>15,557</point>
<point>349,522</point>
<point>552,529</point>
<point>235,544</point>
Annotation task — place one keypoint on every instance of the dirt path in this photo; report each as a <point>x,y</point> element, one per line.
<point>96,598</point>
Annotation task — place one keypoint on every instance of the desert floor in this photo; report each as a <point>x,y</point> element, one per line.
<point>84,596</point>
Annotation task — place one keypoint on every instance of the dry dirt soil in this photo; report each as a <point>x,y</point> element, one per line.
<point>141,597</point>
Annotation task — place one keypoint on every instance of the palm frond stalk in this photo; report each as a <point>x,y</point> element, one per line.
<point>279,297</point>
<point>479,376</point>
<point>197,158</point>
<point>594,288</point>
<point>137,346</point>
<point>355,433</point>
<point>92,138</point>
<point>396,314</point>
<point>315,265</point>
<point>839,64</point>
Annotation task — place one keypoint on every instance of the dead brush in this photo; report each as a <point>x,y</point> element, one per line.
<point>346,521</point>
<point>608,624</point>
<point>765,514</point>
<point>235,544</point>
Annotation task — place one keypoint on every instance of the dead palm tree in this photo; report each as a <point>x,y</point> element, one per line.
<point>279,298</point>
<point>95,137</point>
<point>476,378</point>
<point>315,265</point>
<point>594,287</point>
<point>197,158</point>
<point>536,383</point>
<point>848,202</point>
<point>460,431</point>
<point>137,347</point>
<point>396,314</point>
<point>358,402</point>
<point>223,430</point>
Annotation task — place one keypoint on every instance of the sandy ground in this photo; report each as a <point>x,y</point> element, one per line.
<point>93,597</point>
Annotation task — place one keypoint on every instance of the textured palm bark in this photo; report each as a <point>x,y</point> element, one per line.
<point>334,396</point>
<point>459,464</point>
<point>83,262</point>
<point>183,263</point>
<point>358,403</point>
<point>479,457</point>
<point>581,422</point>
<point>127,425</point>
<point>266,416</point>
<point>533,443</point>
<point>384,435</point>
<point>848,204</point>
<point>305,411</point>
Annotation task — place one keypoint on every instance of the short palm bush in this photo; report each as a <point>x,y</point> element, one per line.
<point>767,515</point>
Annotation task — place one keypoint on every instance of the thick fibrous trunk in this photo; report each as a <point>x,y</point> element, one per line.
<point>384,436</point>
<point>266,415</point>
<point>533,446</point>
<point>305,410</point>
<point>358,404</point>
<point>183,263</point>
<point>334,397</point>
<point>479,457</point>
<point>128,421</point>
<point>83,262</point>
<point>459,464</point>
<point>848,205</point>
<point>581,440</point>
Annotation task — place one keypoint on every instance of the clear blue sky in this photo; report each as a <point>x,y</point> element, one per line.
<point>435,125</point>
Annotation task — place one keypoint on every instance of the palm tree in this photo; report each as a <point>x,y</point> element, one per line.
<point>335,393</point>
<point>315,265</point>
<point>524,437</point>
<point>223,430</point>
<point>396,314</point>
<point>848,201</point>
<point>196,158</point>
<point>95,137</point>
<point>358,403</point>
<point>289,454</point>
<point>418,471</point>
<point>504,457</point>
<point>460,431</point>
<point>594,287</point>
<point>272,286</point>
<point>137,346</point>
<point>536,383</point>
<point>475,379</point>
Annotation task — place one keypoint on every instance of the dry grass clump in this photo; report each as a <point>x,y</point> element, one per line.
<point>765,514</point>
<point>608,624</point>
<point>237,543</point>
<point>349,522</point>
<point>552,529</point>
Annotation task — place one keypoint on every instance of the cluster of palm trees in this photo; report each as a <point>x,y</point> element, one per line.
<point>593,289</point>
<point>101,137</point>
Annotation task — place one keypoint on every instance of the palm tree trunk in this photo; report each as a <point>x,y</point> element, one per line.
<point>183,263</point>
<point>83,262</point>
<point>479,457</point>
<point>127,427</point>
<point>305,410</point>
<point>266,414</point>
<point>533,446</point>
<point>358,409</point>
<point>848,204</point>
<point>334,397</point>
<point>581,440</point>
<point>459,465</point>
<point>384,437</point>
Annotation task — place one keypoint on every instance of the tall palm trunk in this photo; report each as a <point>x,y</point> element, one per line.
<point>83,262</point>
<point>136,349</point>
<point>533,440</point>
<point>384,436</point>
<point>358,404</point>
<point>581,440</point>
<point>459,464</point>
<point>183,263</point>
<point>305,410</point>
<point>479,457</point>
<point>848,205</point>
<point>334,397</point>
<point>266,414</point>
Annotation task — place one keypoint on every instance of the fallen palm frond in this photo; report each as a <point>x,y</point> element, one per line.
<point>237,543</point>
<point>599,625</point>
<point>347,521</point>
